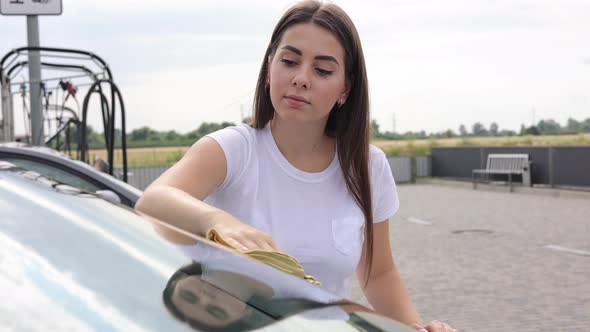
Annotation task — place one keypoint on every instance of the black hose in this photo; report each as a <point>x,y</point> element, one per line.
<point>109,125</point>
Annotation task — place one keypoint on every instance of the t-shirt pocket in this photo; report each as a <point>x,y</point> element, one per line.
<point>347,233</point>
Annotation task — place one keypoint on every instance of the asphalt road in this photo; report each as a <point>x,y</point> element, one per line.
<point>488,260</point>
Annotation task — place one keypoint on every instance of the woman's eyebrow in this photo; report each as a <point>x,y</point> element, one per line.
<point>319,57</point>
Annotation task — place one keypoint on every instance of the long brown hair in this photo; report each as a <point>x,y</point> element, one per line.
<point>349,124</point>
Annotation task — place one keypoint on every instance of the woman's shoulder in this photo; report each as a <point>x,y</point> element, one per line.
<point>376,153</point>
<point>242,132</point>
<point>241,128</point>
<point>377,160</point>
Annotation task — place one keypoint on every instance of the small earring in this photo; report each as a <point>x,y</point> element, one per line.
<point>340,102</point>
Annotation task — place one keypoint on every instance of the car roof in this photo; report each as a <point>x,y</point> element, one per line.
<point>56,157</point>
<point>74,261</point>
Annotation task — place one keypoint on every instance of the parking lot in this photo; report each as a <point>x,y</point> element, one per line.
<point>489,260</point>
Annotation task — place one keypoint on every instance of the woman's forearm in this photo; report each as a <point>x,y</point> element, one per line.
<point>388,295</point>
<point>178,208</point>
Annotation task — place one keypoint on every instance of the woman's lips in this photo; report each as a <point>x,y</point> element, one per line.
<point>296,102</point>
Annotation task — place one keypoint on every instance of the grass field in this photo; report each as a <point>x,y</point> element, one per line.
<point>168,155</point>
<point>137,157</point>
<point>424,146</point>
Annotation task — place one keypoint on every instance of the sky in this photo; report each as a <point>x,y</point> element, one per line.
<point>432,65</point>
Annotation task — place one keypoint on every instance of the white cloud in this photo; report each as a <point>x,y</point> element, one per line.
<point>163,7</point>
<point>213,93</point>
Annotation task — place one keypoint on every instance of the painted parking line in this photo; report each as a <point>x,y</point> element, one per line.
<point>568,250</point>
<point>418,221</point>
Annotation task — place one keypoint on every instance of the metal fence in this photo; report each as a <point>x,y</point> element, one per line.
<point>401,168</point>
<point>404,169</point>
<point>141,177</point>
<point>423,166</point>
<point>554,165</point>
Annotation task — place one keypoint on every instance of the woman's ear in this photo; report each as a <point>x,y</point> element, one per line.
<point>267,79</point>
<point>346,91</point>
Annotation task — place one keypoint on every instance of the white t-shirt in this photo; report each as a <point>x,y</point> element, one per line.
<point>311,216</point>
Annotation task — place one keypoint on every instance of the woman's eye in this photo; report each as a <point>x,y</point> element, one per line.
<point>288,62</point>
<point>323,72</point>
<point>188,296</point>
<point>217,312</point>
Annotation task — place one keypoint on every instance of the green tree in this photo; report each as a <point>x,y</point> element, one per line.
<point>374,129</point>
<point>572,126</point>
<point>193,135</point>
<point>95,139</point>
<point>449,133</point>
<point>532,130</point>
<point>494,129</point>
<point>143,134</point>
<point>172,135</point>
<point>463,131</point>
<point>549,127</point>
<point>505,132</point>
<point>479,130</point>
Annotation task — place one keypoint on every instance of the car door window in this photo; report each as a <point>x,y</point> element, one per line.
<point>54,173</point>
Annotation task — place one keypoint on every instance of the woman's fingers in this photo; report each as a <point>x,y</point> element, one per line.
<point>248,244</point>
<point>438,326</point>
<point>263,245</point>
<point>266,243</point>
<point>245,237</point>
<point>263,241</point>
<point>236,244</point>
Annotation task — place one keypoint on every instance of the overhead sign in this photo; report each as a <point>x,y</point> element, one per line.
<point>30,7</point>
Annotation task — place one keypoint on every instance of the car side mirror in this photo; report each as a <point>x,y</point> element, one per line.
<point>109,195</point>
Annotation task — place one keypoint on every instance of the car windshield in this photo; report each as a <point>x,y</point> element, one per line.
<point>54,173</point>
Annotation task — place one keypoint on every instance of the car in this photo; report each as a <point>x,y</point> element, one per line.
<point>61,167</point>
<point>71,260</point>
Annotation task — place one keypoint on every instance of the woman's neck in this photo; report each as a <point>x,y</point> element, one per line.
<point>307,148</point>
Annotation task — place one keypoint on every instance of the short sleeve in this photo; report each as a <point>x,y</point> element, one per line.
<point>383,189</point>
<point>236,143</point>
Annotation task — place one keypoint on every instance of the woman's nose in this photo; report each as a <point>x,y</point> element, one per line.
<point>301,79</point>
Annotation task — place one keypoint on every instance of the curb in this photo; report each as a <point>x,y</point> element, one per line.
<point>580,193</point>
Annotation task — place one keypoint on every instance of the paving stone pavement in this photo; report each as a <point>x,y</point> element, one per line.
<point>499,276</point>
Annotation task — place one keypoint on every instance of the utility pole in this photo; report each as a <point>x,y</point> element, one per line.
<point>35,81</point>
<point>393,130</point>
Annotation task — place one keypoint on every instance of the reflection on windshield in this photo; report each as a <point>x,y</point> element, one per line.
<point>225,291</point>
<point>215,258</point>
<point>205,307</point>
<point>192,295</point>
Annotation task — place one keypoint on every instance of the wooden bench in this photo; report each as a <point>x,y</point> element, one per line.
<point>505,164</point>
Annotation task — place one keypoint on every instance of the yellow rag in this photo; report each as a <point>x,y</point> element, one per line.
<point>276,259</point>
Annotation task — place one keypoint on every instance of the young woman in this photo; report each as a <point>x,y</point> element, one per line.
<point>302,178</point>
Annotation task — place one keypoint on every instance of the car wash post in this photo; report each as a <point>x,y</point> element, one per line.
<point>33,8</point>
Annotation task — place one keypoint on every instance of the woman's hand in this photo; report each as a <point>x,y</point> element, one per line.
<point>435,326</point>
<point>242,236</point>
